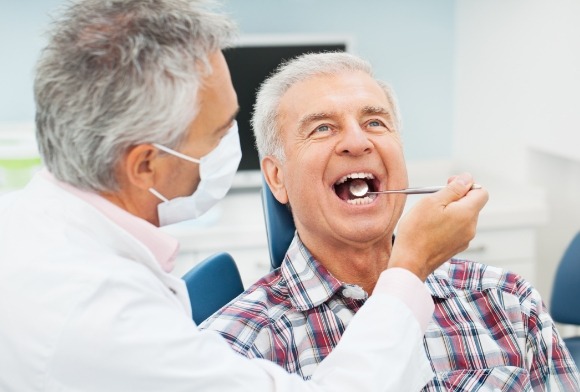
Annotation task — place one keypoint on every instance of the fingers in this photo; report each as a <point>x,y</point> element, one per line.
<point>438,226</point>
<point>457,187</point>
<point>476,199</point>
<point>460,187</point>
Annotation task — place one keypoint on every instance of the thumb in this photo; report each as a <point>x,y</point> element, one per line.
<point>456,188</point>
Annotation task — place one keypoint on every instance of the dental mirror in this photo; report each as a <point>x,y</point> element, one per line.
<point>359,188</point>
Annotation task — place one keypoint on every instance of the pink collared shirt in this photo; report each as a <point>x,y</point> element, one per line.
<point>162,245</point>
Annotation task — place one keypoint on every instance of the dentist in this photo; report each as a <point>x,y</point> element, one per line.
<point>136,127</point>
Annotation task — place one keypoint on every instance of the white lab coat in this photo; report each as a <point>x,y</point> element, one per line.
<point>84,306</point>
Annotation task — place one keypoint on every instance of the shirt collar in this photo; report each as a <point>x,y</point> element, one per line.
<point>309,282</point>
<point>438,284</point>
<point>163,247</point>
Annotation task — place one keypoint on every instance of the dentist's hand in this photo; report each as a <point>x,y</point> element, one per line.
<point>438,227</point>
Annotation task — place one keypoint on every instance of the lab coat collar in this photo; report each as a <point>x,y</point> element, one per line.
<point>163,247</point>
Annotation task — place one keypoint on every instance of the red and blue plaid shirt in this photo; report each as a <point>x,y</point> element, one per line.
<point>490,330</point>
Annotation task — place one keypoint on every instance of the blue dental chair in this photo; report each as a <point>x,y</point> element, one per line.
<point>565,302</point>
<point>216,280</point>
<point>211,284</point>
<point>279,226</point>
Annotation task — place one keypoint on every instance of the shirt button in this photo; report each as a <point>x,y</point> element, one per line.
<point>354,292</point>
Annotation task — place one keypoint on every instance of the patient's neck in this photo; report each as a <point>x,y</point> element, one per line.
<point>360,265</point>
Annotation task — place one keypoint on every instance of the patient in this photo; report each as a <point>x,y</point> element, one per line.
<point>322,122</point>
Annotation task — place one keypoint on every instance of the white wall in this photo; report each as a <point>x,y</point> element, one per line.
<point>410,43</point>
<point>22,24</point>
<point>516,105</point>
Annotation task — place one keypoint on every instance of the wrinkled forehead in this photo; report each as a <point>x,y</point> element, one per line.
<point>345,91</point>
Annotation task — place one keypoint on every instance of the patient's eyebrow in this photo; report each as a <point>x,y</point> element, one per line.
<point>376,110</point>
<point>313,117</point>
<point>365,110</point>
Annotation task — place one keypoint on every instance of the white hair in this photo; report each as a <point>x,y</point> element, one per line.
<point>264,118</point>
<point>118,73</point>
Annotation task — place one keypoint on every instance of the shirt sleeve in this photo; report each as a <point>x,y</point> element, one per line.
<point>384,334</point>
<point>408,288</point>
<point>129,341</point>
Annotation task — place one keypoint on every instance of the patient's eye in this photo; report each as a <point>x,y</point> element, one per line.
<point>322,128</point>
<point>321,131</point>
<point>377,125</point>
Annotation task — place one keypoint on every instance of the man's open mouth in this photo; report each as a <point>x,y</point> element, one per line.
<point>342,188</point>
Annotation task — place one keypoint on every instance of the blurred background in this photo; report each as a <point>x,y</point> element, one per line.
<point>491,87</point>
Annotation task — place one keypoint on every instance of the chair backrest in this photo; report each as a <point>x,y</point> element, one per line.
<point>565,302</point>
<point>211,284</point>
<point>279,226</point>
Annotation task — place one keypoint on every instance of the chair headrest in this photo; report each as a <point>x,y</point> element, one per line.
<point>564,305</point>
<point>211,284</point>
<point>279,226</point>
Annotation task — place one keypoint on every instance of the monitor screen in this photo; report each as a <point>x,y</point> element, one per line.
<point>250,63</point>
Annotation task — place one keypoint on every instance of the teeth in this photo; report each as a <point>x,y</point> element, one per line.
<point>362,200</point>
<point>351,176</point>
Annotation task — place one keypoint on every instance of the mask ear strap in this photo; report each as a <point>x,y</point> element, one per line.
<point>159,195</point>
<point>176,153</point>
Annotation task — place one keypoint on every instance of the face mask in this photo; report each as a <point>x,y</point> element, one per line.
<point>217,170</point>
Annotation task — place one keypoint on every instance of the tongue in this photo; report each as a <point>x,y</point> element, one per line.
<point>343,190</point>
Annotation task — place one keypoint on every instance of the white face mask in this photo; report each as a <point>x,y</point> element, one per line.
<point>216,170</point>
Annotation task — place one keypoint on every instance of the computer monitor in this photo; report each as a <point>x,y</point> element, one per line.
<point>251,61</point>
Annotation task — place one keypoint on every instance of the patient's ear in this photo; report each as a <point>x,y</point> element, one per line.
<point>272,170</point>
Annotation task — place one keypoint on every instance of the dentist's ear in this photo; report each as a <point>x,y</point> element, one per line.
<point>140,165</point>
<point>272,171</point>
<point>137,171</point>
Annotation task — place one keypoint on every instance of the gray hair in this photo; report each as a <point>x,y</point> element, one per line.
<point>264,118</point>
<point>118,73</point>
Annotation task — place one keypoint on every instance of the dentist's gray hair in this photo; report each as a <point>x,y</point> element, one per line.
<point>118,73</point>
<point>264,118</point>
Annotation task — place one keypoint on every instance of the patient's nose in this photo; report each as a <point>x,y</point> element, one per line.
<point>354,141</point>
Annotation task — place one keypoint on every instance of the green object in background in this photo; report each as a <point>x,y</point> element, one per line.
<point>15,173</point>
<point>19,158</point>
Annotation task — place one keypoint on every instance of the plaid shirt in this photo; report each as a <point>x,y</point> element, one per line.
<point>490,329</point>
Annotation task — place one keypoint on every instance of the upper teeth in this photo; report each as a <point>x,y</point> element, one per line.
<point>351,176</point>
